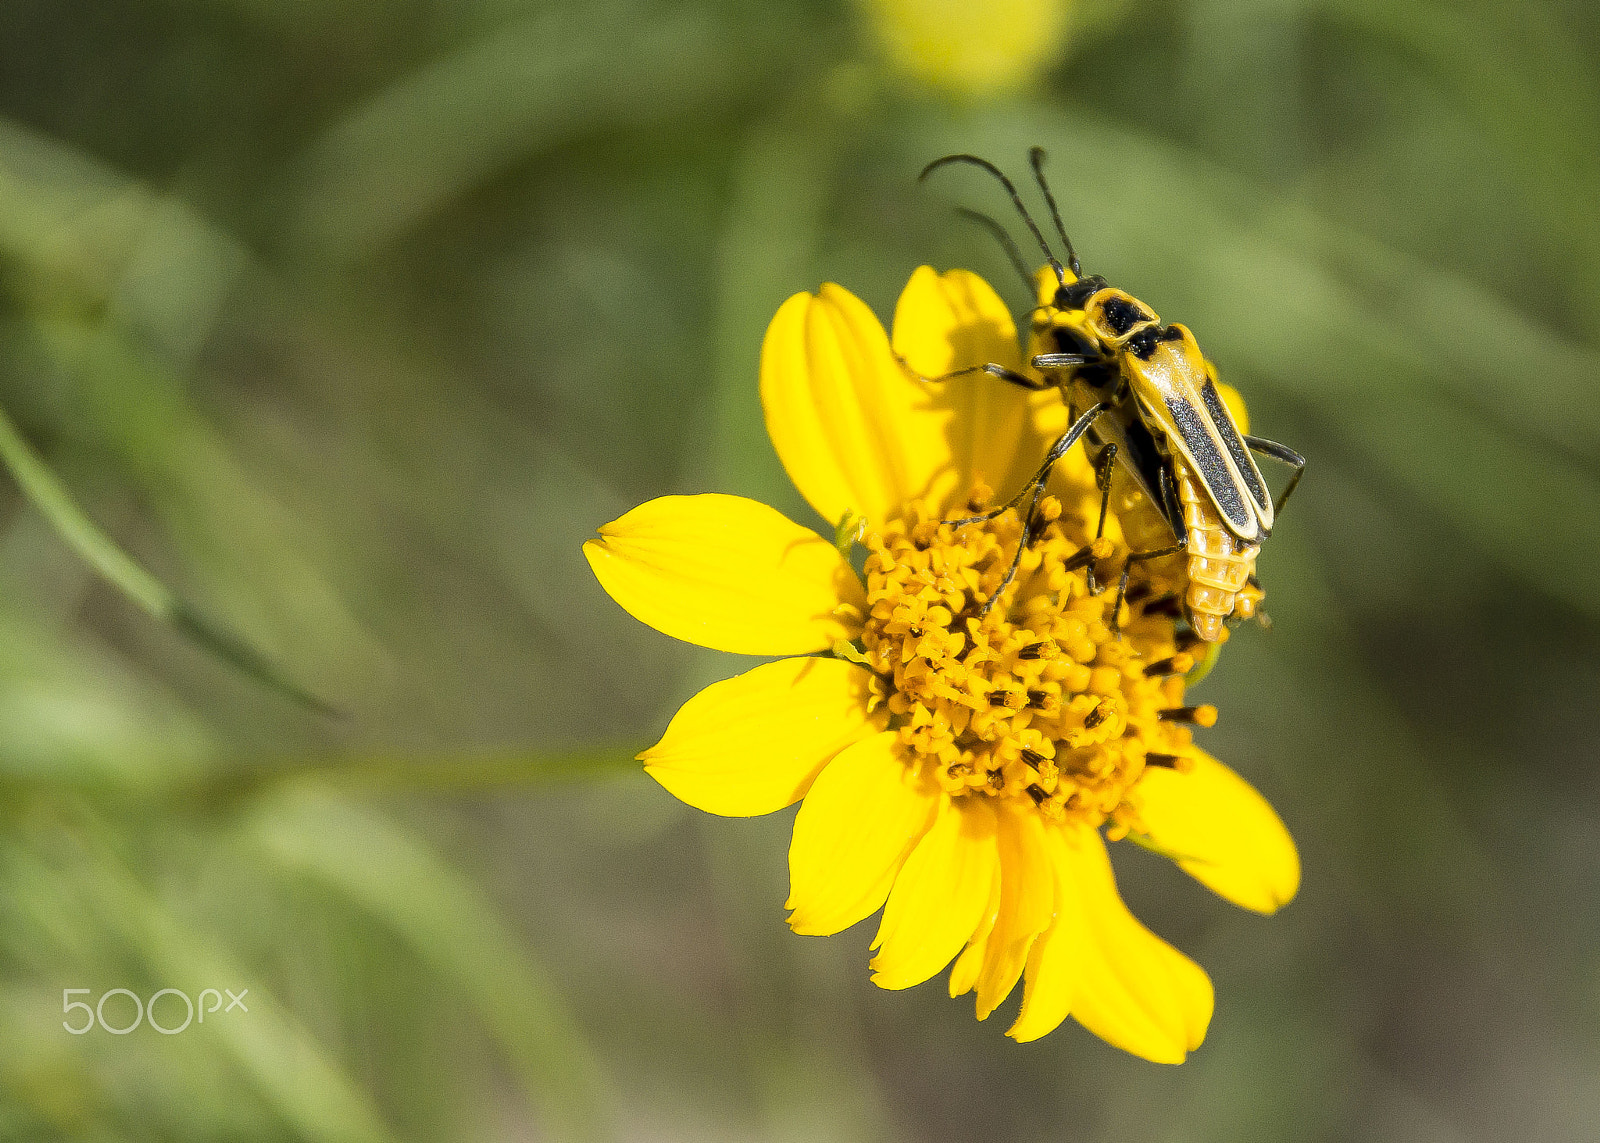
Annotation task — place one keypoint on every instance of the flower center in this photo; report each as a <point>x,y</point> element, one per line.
<point>1040,699</point>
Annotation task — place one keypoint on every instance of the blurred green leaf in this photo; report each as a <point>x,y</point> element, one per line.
<point>267,1044</point>
<point>522,89</point>
<point>51,499</point>
<point>1526,79</point>
<point>367,858</point>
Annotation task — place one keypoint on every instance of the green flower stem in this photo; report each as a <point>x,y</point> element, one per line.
<point>46,493</point>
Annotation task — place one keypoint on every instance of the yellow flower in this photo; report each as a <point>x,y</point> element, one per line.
<point>971,48</point>
<point>957,765</point>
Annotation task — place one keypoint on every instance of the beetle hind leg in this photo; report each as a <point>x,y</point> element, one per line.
<point>1286,455</point>
<point>1122,583</point>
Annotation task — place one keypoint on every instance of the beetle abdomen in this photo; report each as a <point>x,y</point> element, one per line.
<point>1219,566</point>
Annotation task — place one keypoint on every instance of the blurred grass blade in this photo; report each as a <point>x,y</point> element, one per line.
<point>365,857</point>
<point>46,493</point>
<point>280,1057</point>
<point>1523,75</point>
<point>450,125</point>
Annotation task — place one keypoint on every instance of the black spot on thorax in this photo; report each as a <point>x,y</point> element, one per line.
<point>1123,315</point>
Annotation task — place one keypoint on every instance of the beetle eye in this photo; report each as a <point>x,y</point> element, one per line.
<point>1072,295</point>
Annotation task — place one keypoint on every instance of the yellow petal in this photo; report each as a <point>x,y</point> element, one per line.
<point>753,744</point>
<point>945,322</point>
<point>1226,834</point>
<point>853,429</point>
<point>1134,990</point>
<point>939,897</point>
<point>728,573</point>
<point>964,973</point>
<point>859,821</point>
<point>1196,998</point>
<point>1055,957</point>
<point>1027,904</point>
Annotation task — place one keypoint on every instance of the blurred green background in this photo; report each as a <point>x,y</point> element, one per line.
<point>351,319</point>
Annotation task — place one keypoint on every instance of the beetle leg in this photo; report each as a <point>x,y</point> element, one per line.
<point>1016,560</point>
<point>1169,504</point>
<point>1000,371</point>
<point>1102,477</point>
<point>1057,451</point>
<point>1122,585</point>
<point>1067,360</point>
<point>1280,453</point>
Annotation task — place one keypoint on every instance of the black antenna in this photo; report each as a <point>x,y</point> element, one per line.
<point>1004,239</point>
<point>1016,200</point>
<point>1036,157</point>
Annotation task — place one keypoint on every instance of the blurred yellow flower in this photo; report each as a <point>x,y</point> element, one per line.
<point>957,767</point>
<point>971,47</point>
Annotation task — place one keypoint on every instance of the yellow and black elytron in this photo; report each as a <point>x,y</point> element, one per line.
<point>1150,401</point>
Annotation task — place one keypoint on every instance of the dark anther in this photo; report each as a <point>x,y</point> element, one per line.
<point>997,780</point>
<point>1170,667</point>
<point>1033,758</point>
<point>1036,792</point>
<point>1037,699</point>
<point>1137,592</point>
<point>1167,605</point>
<point>1082,558</point>
<point>1203,715</point>
<point>1034,651</point>
<point>1165,761</point>
<point>1095,717</point>
<point>1188,641</point>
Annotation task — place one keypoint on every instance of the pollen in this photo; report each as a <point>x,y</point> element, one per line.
<point>1046,697</point>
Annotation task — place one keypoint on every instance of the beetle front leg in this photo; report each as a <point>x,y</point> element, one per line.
<point>1034,384</point>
